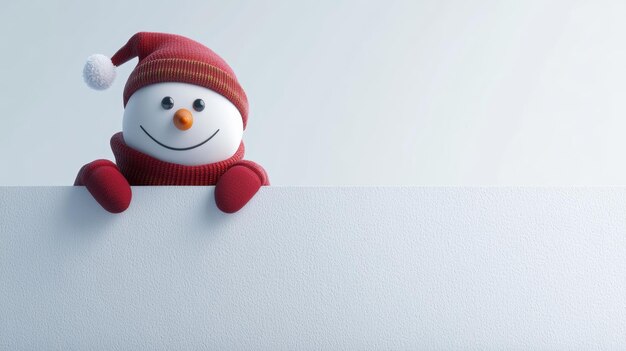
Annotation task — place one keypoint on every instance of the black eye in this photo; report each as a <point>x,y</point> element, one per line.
<point>198,105</point>
<point>167,103</point>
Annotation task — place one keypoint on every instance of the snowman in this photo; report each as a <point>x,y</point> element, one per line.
<point>183,123</point>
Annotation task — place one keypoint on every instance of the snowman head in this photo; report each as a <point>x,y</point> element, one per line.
<point>183,103</point>
<point>182,123</point>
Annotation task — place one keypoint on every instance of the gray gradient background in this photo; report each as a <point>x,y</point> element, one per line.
<point>344,92</point>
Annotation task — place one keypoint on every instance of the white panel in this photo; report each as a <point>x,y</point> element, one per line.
<point>315,268</point>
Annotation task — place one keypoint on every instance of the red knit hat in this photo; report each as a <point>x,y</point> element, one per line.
<point>167,58</point>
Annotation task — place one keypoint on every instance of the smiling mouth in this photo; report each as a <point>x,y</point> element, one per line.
<point>178,148</point>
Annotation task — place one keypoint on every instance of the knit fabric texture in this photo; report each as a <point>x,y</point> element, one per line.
<point>141,169</point>
<point>174,58</point>
<point>106,184</point>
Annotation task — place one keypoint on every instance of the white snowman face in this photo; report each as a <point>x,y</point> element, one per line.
<point>182,123</point>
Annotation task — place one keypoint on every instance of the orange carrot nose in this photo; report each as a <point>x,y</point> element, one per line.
<point>183,119</point>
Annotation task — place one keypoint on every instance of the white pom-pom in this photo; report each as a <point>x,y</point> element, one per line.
<point>99,72</point>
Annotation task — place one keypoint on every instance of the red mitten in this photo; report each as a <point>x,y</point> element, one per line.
<point>106,184</point>
<point>238,185</point>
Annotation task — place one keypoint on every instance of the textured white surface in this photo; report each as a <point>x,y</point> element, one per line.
<point>315,268</point>
<point>99,72</point>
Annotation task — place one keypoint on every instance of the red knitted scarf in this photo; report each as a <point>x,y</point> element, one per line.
<point>142,169</point>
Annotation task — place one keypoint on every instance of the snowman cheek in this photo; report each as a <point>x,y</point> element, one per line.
<point>131,129</point>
